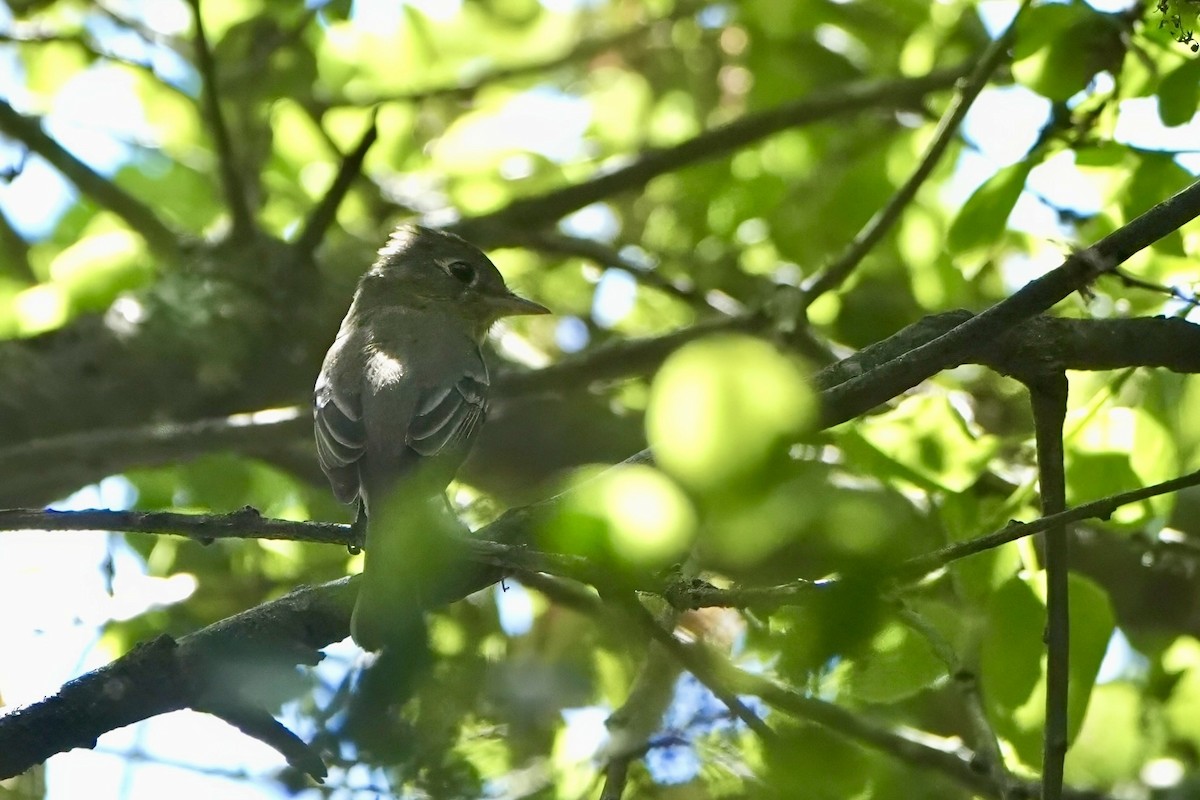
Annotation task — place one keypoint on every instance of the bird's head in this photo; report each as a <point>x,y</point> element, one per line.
<point>426,268</point>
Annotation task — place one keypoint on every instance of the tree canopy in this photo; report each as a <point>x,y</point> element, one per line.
<point>857,459</point>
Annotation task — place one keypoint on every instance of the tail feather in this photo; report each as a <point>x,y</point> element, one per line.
<point>407,557</point>
<point>389,610</point>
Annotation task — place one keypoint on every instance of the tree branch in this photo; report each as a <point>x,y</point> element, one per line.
<point>162,240</point>
<point>1048,395</point>
<point>219,669</point>
<point>881,222</point>
<point>862,393</point>
<point>295,626</point>
<point>227,161</point>
<point>532,212</point>
<point>82,458</point>
<point>321,217</point>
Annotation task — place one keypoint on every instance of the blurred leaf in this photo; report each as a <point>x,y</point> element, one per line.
<point>720,407</point>
<point>632,513</point>
<point>924,441</point>
<point>1156,175</point>
<point>1060,46</point>
<point>1179,94</point>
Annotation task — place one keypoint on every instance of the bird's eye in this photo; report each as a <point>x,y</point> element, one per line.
<point>462,271</point>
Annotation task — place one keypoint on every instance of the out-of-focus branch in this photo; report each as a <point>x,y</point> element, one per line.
<point>16,250</point>
<point>496,228</point>
<point>82,458</point>
<point>141,218</point>
<point>881,222</point>
<point>581,52</point>
<point>321,217</point>
<point>221,669</point>
<point>241,220</point>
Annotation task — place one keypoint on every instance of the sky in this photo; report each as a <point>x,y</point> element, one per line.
<point>97,578</point>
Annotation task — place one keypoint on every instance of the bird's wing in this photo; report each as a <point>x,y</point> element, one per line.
<point>448,415</point>
<point>340,433</point>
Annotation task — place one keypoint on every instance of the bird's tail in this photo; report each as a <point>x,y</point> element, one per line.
<point>407,549</point>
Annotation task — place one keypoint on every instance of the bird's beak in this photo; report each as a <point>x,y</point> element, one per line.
<point>510,305</point>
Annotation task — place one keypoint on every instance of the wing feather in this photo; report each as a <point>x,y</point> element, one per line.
<point>341,437</point>
<point>451,421</point>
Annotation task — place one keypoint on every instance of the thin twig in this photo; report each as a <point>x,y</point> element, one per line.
<point>492,543</point>
<point>987,745</point>
<point>246,523</point>
<point>881,222</point>
<point>601,254</point>
<point>321,217</point>
<point>235,190</point>
<point>696,661</point>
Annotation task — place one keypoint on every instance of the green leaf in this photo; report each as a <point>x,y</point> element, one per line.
<point>1115,739</point>
<point>984,216</point>
<point>1179,94</point>
<point>1013,661</point>
<point>1012,645</point>
<point>1115,450</point>
<point>899,664</point>
<point>1061,46</point>
<point>924,441</point>
<point>826,765</point>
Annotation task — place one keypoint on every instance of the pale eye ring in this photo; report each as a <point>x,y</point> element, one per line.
<point>462,272</point>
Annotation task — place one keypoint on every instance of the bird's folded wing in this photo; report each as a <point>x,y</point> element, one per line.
<point>449,416</point>
<point>341,436</point>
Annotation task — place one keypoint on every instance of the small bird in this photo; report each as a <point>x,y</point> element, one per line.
<point>399,401</point>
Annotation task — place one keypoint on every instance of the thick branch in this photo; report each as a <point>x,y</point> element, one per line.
<point>217,669</point>
<point>862,393</point>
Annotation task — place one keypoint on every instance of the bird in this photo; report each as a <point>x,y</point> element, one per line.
<point>400,398</point>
